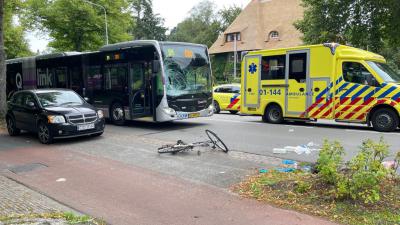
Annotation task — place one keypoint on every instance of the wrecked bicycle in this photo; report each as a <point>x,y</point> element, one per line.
<point>214,142</point>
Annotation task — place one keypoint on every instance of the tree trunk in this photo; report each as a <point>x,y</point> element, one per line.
<point>3,80</point>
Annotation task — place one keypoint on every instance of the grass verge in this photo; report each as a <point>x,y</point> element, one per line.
<point>69,217</point>
<point>306,193</point>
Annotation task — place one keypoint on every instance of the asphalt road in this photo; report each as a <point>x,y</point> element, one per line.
<point>94,167</point>
<point>251,143</point>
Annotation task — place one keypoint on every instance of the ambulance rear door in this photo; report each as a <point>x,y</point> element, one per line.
<point>252,81</point>
<point>299,94</point>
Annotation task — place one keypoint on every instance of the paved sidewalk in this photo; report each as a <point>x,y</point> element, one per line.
<point>16,199</point>
<point>122,194</point>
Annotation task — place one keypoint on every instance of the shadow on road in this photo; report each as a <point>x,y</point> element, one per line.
<point>166,126</point>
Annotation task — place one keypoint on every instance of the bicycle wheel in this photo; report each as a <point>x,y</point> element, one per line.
<point>217,141</point>
<point>169,149</point>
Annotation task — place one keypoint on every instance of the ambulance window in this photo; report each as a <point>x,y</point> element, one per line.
<point>298,67</point>
<point>273,67</point>
<point>356,73</point>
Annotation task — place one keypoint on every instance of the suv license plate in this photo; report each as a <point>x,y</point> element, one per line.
<point>86,127</point>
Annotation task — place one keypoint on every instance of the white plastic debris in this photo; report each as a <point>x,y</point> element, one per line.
<point>61,180</point>
<point>300,149</point>
<point>279,151</point>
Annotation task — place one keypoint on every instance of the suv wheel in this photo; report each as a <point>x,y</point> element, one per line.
<point>12,128</point>
<point>385,120</point>
<point>117,114</point>
<point>44,134</point>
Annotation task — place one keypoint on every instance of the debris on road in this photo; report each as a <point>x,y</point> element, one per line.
<point>263,171</point>
<point>285,170</point>
<point>300,149</point>
<point>61,180</point>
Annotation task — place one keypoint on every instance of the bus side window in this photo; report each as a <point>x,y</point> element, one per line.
<point>94,78</point>
<point>61,77</point>
<point>273,67</point>
<point>76,81</point>
<point>355,72</point>
<point>116,78</point>
<point>298,67</point>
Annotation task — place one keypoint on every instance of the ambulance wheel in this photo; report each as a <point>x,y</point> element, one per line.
<point>385,120</point>
<point>273,114</point>
<point>233,112</point>
<point>217,109</point>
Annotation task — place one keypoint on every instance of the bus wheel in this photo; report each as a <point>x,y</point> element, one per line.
<point>385,120</point>
<point>233,112</point>
<point>273,114</point>
<point>117,114</point>
<point>217,109</point>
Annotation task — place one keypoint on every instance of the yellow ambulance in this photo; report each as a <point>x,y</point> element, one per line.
<point>328,81</point>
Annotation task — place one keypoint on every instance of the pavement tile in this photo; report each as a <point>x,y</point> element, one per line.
<point>16,199</point>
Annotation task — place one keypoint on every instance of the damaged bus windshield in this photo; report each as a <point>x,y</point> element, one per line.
<point>187,70</point>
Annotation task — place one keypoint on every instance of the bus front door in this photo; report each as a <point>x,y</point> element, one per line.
<point>137,91</point>
<point>140,94</point>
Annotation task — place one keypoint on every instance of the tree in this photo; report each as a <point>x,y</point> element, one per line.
<point>147,24</point>
<point>3,79</point>
<point>15,42</point>
<point>228,15</point>
<point>366,24</point>
<point>363,23</point>
<point>204,23</point>
<point>75,25</point>
<point>202,26</point>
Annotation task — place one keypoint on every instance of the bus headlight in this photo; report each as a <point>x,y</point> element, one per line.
<point>169,111</point>
<point>100,114</point>
<point>56,119</point>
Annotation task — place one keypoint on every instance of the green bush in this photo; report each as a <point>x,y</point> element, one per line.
<point>363,175</point>
<point>330,161</point>
<point>366,173</point>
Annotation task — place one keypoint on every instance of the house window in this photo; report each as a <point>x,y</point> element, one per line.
<point>231,37</point>
<point>274,35</point>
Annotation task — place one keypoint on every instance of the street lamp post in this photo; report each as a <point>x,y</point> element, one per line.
<point>235,57</point>
<point>105,16</point>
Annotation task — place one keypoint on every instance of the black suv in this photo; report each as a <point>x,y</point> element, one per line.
<point>53,114</point>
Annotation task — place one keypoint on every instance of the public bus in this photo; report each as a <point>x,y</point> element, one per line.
<point>329,81</point>
<point>136,80</point>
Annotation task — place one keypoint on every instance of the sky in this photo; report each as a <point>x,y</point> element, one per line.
<point>173,11</point>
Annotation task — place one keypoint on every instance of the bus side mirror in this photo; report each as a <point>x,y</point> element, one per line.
<point>156,66</point>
